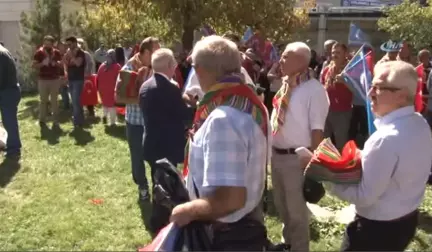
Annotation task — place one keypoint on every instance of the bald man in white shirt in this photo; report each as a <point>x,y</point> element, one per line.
<point>396,163</point>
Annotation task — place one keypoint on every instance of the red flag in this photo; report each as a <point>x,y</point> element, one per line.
<point>89,96</point>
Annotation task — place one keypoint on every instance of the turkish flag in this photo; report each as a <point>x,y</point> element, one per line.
<point>89,95</point>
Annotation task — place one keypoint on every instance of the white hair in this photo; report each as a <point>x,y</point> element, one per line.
<point>329,42</point>
<point>300,48</point>
<point>398,74</point>
<point>162,60</point>
<point>217,55</point>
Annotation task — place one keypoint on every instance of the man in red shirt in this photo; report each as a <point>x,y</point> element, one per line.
<point>341,98</point>
<point>47,60</point>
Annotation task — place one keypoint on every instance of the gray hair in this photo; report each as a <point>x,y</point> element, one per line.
<point>163,59</point>
<point>300,48</point>
<point>217,55</point>
<point>399,74</point>
<point>329,42</point>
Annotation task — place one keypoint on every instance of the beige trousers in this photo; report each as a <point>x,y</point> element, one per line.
<point>48,91</point>
<point>287,181</point>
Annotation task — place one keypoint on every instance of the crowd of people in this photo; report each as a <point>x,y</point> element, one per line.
<point>249,111</point>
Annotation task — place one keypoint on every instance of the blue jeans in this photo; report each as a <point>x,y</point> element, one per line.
<point>64,92</point>
<point>9,100</point>
<point>134,135</point>
<point>75,89</point>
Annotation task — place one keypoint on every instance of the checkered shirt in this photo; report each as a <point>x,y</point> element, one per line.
<point>133,111</point>
<point>228,150</point>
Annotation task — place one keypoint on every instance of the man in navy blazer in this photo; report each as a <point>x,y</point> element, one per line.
<point>165,115</point>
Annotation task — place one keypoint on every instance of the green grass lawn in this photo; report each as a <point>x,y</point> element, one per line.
<point>46,202</point>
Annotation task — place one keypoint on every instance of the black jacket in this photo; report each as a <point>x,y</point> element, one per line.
<point>165,116</point>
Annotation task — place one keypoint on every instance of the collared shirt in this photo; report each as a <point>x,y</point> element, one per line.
<point>229,150</point>
<point>133,113</point>
<point>396,164</point>
<point>100,55</point>
<point>192,86</point>
<point>307,110</point>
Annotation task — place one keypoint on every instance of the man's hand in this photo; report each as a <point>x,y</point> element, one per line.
<point>339,79</point>
<point>182,214</point>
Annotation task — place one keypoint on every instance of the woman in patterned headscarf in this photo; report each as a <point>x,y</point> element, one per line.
<point>106,80</point>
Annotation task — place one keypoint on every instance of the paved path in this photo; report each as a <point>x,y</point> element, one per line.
<point>323,214</point>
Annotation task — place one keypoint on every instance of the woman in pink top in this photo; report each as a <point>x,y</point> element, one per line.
<point>106,80</point>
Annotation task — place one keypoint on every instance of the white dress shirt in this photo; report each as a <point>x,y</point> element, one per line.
<point>193,88</point>
<point>307,110</point>
<point>396,161</point>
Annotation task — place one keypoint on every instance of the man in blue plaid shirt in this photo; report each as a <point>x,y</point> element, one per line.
<point>134,118</point>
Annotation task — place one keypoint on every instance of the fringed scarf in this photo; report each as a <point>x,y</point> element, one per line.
<point>230,91</point>
<point>282,97</point>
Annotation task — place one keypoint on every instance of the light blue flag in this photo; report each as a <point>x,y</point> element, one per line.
<point>248,34</point>
<point>274,55</point>
<point>357,37</point>
<point>358,78</point>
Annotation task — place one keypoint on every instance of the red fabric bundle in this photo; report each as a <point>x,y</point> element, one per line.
<point>329,165</point>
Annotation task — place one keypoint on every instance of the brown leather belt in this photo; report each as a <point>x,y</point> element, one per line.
<point>290,151</point>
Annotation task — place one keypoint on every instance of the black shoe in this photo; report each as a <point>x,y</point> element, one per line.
<point>278,247</point>
<point>143,194</point>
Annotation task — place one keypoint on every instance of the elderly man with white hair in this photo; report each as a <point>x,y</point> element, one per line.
<point>396,163</point>
<point>227,153</point>
<point>164,114</point>
<point>298,119</point>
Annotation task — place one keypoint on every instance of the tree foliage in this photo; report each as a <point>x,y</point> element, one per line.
<point>113,20</point>
<point>279,18</point>
<point>45,19</point>
<point>116,22</point>
<point>408,21</point>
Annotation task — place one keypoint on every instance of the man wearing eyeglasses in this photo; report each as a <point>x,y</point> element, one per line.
<point>396,163</point>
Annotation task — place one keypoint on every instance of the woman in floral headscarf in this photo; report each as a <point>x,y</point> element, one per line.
<point>106,80</point>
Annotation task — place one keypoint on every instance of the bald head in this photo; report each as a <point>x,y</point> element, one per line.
<point>397,74</point>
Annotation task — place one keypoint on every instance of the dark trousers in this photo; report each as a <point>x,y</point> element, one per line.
<point>370,235</point>
<point>9,100</point>
<point>134,135</point>
<point>75,89</point>
<point>64,92</point>
<point>358,125</point>
<point>243,235</point>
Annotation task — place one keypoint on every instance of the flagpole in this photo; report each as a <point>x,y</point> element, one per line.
<point>370,117</point>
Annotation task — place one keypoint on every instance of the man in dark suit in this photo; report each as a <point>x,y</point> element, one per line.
<point>165,115</point>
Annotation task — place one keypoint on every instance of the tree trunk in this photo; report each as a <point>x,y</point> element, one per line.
<point>188,37</point>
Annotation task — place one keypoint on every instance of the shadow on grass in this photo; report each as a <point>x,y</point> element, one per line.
<point>32,110</point>
<point>8,169</point>
<point>52,135</point>
<point>82,136</point>
<point>146,213</point>
<point>425,222</point>
<point>118,131</point>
